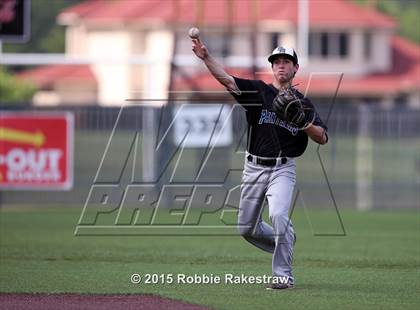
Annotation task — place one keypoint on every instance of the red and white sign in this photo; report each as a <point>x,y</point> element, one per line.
<point>36,150</point>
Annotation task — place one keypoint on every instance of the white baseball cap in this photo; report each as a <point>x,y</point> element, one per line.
<point>286,51</point>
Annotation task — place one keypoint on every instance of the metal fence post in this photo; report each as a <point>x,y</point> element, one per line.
<point>364,158</point>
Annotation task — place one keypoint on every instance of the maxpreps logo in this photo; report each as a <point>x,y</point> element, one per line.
<point>35,151</point>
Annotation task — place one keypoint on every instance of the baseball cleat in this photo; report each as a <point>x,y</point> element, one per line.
<point>279,286</point>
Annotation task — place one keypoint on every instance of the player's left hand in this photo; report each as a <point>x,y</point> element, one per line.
<point>289,107</point>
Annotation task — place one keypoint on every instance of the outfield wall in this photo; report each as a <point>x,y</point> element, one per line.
<point>371,161</point>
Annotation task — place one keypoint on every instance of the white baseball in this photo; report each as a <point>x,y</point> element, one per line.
<point>194,33</point>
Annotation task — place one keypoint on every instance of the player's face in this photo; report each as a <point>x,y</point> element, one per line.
<point>283,69</point>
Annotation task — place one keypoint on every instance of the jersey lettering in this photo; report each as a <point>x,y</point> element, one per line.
<point>268,117</point>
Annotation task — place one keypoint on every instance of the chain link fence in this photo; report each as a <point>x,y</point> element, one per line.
<point>371,161</point>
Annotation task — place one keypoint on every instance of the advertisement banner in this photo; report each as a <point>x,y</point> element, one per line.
<point>36,151</point>
<point>203,125</point>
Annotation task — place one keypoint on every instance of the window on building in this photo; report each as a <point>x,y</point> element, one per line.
<point>275,40</point>
<point>328,44</point>
<point>367,44</point>
<point>324,44</point>
<point>314,48</point>
<point>343,44</point>
<point>401,99</point>
<point>218,44</point>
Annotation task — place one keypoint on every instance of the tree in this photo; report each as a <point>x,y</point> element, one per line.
<point>13,90</point>
<point>406,12</point>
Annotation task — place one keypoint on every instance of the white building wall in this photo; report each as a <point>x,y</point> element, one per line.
<point>289,39</point>
<point>159,49</point>
<point>76,40</point>
<point>137,71</point>
<point>240,44</point>
<point>381,59</point>
<point>113,79</point>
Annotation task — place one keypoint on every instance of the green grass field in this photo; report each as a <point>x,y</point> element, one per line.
<point>375,266</point>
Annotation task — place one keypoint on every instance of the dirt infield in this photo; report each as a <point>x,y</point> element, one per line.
<point>90,302</point>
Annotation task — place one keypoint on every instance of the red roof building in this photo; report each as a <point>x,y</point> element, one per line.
<point>61,84</point>
<point>215,12</point>
<point>45,77</point>
<point>345,39</point>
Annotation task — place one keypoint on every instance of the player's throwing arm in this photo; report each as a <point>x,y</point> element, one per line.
<point>216,69</point>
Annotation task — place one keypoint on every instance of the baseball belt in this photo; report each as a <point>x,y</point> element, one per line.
<point>269,162</point>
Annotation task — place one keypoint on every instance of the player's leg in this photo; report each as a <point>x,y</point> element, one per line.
<point>279,195</point>
<point>250,225</point>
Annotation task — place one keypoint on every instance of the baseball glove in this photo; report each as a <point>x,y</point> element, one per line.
<point>293,109</point>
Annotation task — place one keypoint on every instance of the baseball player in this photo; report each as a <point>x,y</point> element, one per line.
<point>274,142</point>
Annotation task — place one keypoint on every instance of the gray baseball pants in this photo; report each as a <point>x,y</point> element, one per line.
<point>276,184</point>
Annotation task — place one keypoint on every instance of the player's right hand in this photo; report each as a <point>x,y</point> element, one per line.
<point>199,49</point>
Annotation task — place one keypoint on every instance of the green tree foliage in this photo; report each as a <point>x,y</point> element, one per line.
<point>46,35</point>
<point>406,12</point>
<point>13,90</point>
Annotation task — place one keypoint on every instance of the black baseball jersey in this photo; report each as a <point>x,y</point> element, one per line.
<point>268,135</point>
